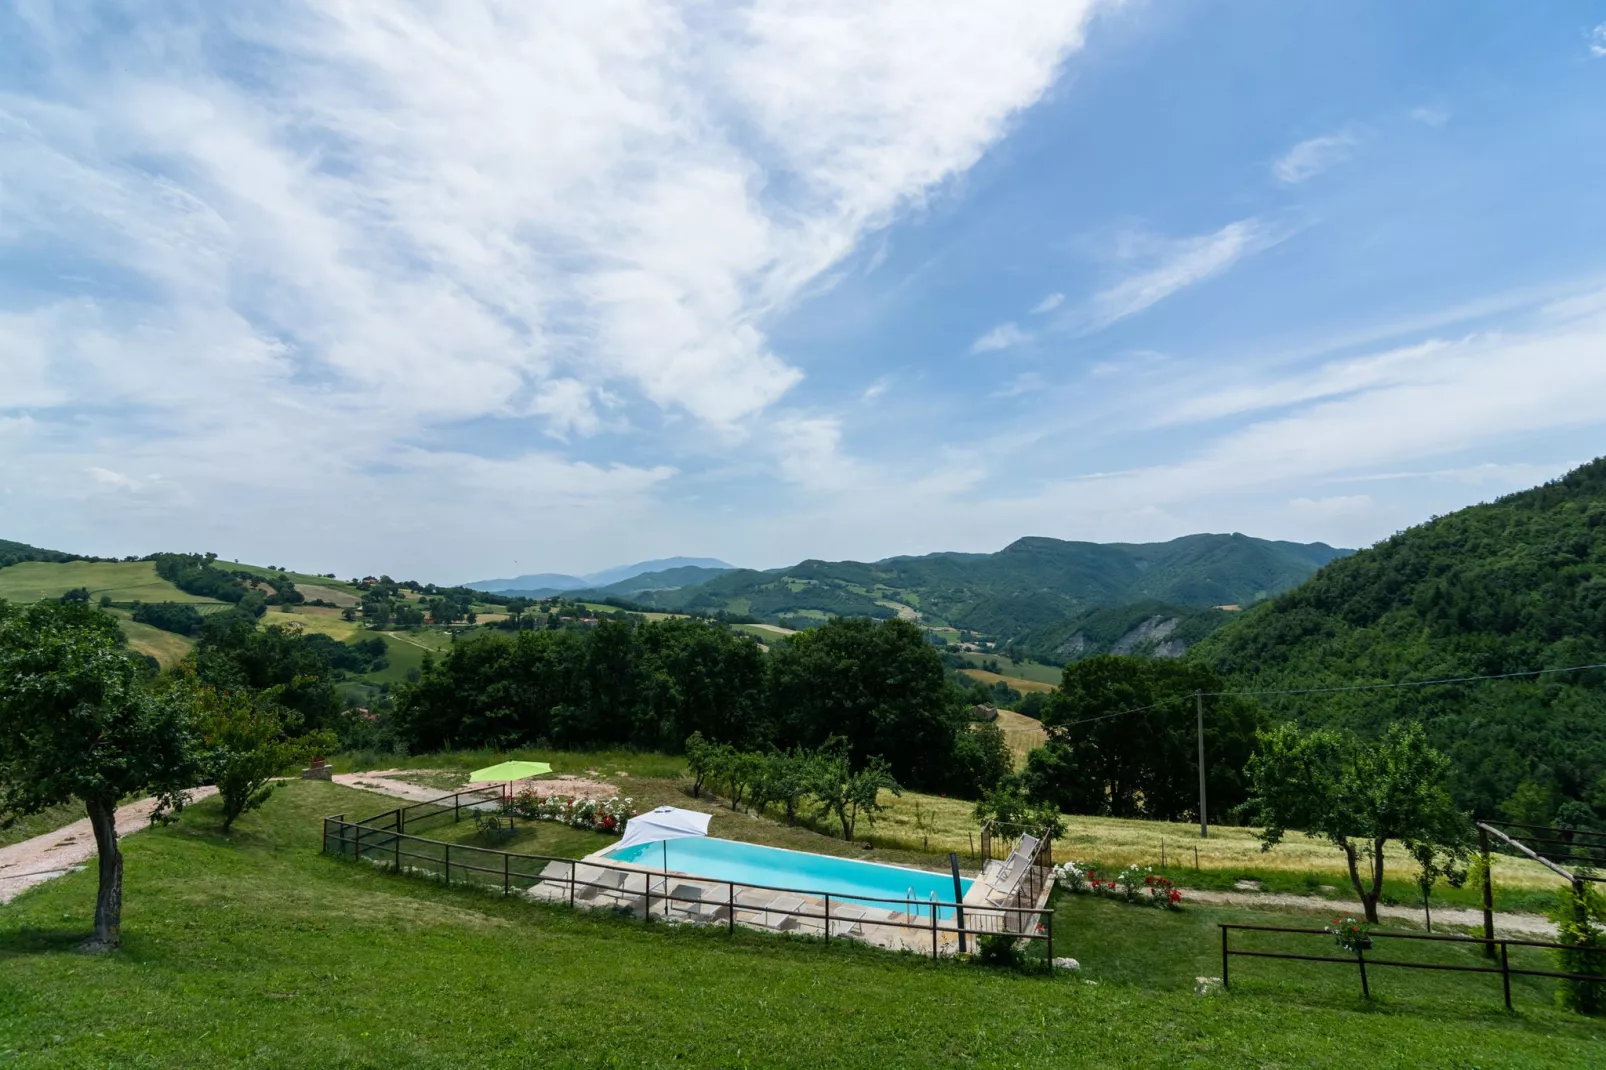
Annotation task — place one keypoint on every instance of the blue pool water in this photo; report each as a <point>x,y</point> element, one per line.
<point>775,867</point>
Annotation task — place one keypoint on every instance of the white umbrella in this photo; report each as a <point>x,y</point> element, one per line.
<point>665,823</point>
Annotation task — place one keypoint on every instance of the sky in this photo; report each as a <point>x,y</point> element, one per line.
<point>450,290</point>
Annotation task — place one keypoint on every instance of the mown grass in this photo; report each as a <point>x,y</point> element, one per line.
<point>26,828</point>
<point>1025,670</point>
<point>124,581</point>
<point>168,648</point>
<point>253,948</point>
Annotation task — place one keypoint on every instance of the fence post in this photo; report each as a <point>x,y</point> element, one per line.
<point>933,932</point>
<point>571,883</point>
<point>1505,972</point>
<point>356,846</point>
<point>448,857</point>
<point>828,917</point>
<point>506,878</point>
<point>730,896</point>
<point>457,805</point>
<point>1488,893</point>
<point>1051,943</point>
<point>326,835</point>
<point>1224,978</point>
<point>398,852</point>
<point>1360,958</point>
<point>401,819</point>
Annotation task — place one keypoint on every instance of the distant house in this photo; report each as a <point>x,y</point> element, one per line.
<point>984,712</point>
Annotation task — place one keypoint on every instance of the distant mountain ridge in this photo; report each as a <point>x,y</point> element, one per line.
<point>559,582</point>
<point>1032,583</point>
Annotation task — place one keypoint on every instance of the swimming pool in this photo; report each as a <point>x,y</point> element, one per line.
<point>775,867</point>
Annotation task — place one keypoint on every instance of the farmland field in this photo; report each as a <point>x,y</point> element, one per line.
<point>1025,670</point>
<point>124,581</point>
<point>1021,734</point>
<point>166,647</point>
<point>1020,684</point>
<point>253,948</point>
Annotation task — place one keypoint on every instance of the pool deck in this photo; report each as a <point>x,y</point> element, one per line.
<point>605,884</point>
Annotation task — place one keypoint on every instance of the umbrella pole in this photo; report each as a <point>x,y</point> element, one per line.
<point>665,845</point>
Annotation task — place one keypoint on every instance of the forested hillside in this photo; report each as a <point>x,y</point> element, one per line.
<point>1031,584</point>
<point>1514,585</point>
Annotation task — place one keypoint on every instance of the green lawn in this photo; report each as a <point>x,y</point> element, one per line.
<point>254,949</point>
<point>125,581</point>
<point>26,828</point>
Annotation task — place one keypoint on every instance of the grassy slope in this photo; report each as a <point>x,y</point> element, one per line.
<point>1021,734</point>
<point>125,581</point>
<point>1026,670</point>
<point>26,828</point>
<point>1019,683</point>
<point>253,948</point>
<point>166,647</point>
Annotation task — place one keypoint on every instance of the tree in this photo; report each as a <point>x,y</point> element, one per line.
<point>848,795</point>
<point>702,757</point>
<point>76,722</point>
<point>877,685</point>
<point>245,741</point>
<point>1358,795</point>
<point>786,779</point>
<point>1123,741</point>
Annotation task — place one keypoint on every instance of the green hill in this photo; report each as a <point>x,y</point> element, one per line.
<point>1509,586</point>
<point>1031,584</point>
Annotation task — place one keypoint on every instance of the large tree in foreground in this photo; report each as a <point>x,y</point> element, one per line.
<point>75,723</point>
<point>1357,794</point>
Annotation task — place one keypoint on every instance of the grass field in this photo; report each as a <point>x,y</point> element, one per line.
<point>1024,670</point>
<point>254,948</point>
<point>26,828</point>
<point>1021,733</point>
<point>167,648</point>
<point>1019,683</point>
<point>124,581</point>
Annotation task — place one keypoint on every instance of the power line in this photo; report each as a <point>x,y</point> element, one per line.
<point>1406,683</point>
<point>1330,690</point>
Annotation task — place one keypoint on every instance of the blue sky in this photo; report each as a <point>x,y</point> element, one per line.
<point>475,289</point>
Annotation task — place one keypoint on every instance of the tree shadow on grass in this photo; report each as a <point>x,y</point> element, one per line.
<point>31,940</point>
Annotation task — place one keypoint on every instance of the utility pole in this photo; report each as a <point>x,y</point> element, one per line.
<point>1204,820</point>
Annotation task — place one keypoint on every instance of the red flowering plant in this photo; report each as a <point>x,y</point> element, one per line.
<point>604,815</point>
<point>1162,891</point>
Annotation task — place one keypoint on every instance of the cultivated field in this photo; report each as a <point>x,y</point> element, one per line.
<point>1025,670</point>
<point>124,581</point>
<point>1019,683</point>
<point>1021,733</point>
<point>166,647</point>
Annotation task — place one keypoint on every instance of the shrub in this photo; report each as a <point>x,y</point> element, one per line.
<point>606,815</point>
<point>998,949</point>
<point>1576,911</point>
<point>1349,934</point>
<point>1069,875</point>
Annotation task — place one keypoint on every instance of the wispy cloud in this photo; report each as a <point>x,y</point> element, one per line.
<point>351,215</point>
<point>1048,304</point>
<point>1181,264</point>
<point>1024,383</point>
<point>1311,157</point>
<point>1430,116</point>
<point>1597,41</point>
<point>1003,336</point>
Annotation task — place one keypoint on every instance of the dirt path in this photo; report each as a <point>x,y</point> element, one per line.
<point>1508,924</point>
<point>31,862</point>
<point>385,781</point>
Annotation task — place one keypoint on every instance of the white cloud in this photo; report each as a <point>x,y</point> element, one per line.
<point>1048,304</point>
<point>113,479</point>
<point>325,234</point>
<point>876,389</point>
<point>1326,508</point>
<point>1597,40</point>
<point>1180,264</point>
<point>1024,383</point>
<point>1003,336</point>
<point>1311,157</point>
<point>1430,116</point>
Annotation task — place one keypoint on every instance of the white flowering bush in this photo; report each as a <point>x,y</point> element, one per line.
<point>1069,875</point>
<point>1131,879</point>
<point>599,815</point>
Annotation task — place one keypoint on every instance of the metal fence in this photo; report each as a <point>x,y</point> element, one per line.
<point>1362,962</point>
<point>384,840</point>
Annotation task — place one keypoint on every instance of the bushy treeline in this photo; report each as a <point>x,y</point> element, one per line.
<point>821,783</point>
<point>874,689</point>
<point>176,617</point>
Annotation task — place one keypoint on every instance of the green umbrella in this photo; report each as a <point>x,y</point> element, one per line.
<point>509,771</point>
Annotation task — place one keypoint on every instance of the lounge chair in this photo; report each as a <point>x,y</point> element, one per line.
<point>848,920</point>
<point>785,922</point>
<point>607,881</point>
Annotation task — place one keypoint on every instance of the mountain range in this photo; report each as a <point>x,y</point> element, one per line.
<point>546,583</point>
<point>1033,583</point>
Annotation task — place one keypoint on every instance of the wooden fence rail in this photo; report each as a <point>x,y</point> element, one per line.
<point>1361,962</point>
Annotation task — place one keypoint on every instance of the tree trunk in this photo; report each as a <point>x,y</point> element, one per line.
<point>109,899</point>
<point>1368,900</point>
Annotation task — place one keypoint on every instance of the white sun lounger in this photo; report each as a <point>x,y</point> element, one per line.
<point>783,922</point>
<point>848,920</point>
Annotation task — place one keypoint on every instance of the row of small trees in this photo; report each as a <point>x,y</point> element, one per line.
<point>81,718</point>
<point>819,783</point>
